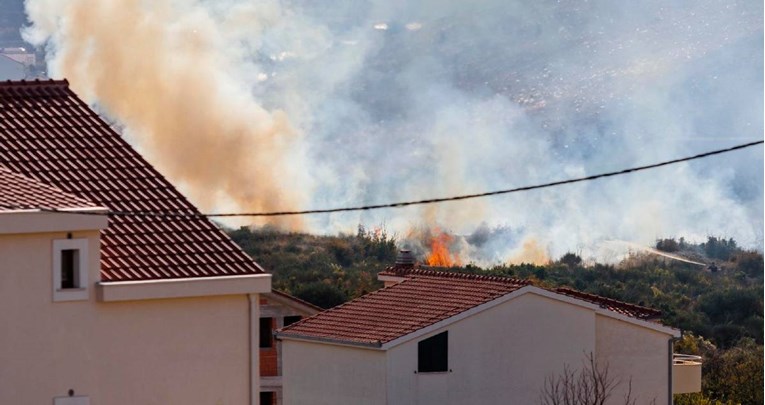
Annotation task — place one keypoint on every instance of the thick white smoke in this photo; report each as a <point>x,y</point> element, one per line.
<point>390,101</point>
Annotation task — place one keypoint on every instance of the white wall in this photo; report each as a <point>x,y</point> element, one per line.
<point>499,356</point>
<point>317,374</point>
<point>173,351</point>
<point>637,354</point>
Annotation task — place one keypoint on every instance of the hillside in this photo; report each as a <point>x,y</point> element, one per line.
<point>718,305</point>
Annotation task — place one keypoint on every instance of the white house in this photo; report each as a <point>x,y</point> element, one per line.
<point>118,309</point>
<point>433,337</point>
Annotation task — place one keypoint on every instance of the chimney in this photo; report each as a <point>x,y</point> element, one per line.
<point>405,258</point>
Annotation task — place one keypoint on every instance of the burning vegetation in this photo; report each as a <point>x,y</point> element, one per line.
<point>440,255</point>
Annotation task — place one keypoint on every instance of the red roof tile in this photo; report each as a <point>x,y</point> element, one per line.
<point>19,192</point>
<point>631,310</point>
<point>47,133</point>
<point>624,308</point>
<point>423,298</point>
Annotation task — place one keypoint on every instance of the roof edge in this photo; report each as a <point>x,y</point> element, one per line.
<point>61,83</point>
<point>414,271</point>
<point>40,221</point>
<point>338,342</point>
<point>112,291</point>
<point>283,296</point>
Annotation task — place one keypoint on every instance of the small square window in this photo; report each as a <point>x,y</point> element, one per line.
<point>433,354</point>
<point>70,270</point>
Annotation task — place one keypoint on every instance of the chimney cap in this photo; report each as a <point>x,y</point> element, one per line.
<point>405,258</point>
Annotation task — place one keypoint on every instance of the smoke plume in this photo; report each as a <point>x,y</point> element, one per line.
<point>168,73</point>
<point>261,105</point>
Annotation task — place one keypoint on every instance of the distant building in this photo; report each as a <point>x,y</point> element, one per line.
<point>277,310</point>
<point>432,337</point>
<point>118,309</point>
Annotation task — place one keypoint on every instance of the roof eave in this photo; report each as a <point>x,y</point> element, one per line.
<point>40,221</point>
<point>340,342</point>
<point>183,287</point>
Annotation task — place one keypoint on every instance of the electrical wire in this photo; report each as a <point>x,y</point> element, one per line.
<point>414,202</point>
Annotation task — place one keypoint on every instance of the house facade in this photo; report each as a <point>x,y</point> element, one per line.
<point>102,306</point>
<point>433,337</point>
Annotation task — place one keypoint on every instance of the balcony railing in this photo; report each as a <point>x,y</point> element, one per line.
<point>686,373</point>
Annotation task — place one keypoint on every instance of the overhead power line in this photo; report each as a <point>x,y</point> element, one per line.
<point>421,202</point>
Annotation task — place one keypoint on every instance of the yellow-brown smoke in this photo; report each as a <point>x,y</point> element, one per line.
<point>530,252</point>
<point>165,72</point>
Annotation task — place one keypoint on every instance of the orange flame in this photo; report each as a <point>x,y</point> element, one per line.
<point>439,250</point>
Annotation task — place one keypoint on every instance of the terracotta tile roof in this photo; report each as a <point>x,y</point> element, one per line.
<point>624,308</point>
<point>631,310</point>
<point>19,192</point>
<point>47,133</point>
<point>424,298</point>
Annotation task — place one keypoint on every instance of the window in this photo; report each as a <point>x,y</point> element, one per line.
<point>70,259</point>
<point>70,270</point>
<point>267,398</point>
<point>433,354</point>
<point>266,336</point>
<point>289,320</point>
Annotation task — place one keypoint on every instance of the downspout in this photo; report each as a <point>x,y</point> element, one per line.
<point>670,349</point>
<point>254,315</point>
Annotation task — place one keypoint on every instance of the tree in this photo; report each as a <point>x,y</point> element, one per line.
<point>667,245</point>
<point>736,375</point>
<point>591,385</point>
<point>320,294</point>
<point>571,260</point>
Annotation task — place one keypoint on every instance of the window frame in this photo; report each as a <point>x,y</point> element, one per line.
<point>80,292</point>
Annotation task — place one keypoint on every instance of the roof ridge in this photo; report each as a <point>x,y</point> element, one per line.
<point>595,297</point>
<point>429,272</point>
<point>63,83</point>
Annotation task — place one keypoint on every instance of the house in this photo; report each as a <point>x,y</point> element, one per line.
<point>434,337</point>
<point>102,306</point>
<point>277,310</point>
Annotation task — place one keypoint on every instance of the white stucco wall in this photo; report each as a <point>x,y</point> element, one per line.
<point>170,351</point>
<point>634,354</point>
<point>320,374</point>
<point>499,356</point>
